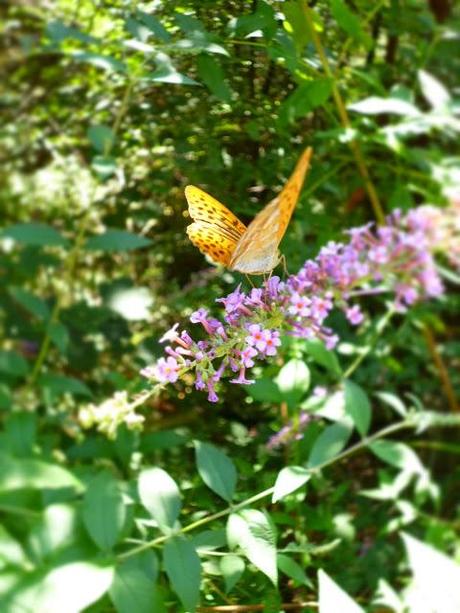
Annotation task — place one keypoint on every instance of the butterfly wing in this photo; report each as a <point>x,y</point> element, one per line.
<point>215,230</point>
<point>256,252</point>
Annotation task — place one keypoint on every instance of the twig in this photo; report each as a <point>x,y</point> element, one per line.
<point>442,369</point>
<point>343,114</point>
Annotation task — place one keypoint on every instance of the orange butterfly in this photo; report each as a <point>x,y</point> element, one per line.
<point>253,250</point>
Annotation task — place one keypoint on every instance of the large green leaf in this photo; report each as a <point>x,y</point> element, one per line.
<point>357,406</point>
<point>317,350</point>
<point>13,364</point>
<point>252,531</point>
<point>231,567</point>
<point>216,469</point>
<point>332,598</point>
<point>35,474</point>
<point>293,381</point>
<point>435,584</point>
<point>132,590</point>
<point>183,567</point>
<point>104,512</point>
<point>71,588</point>
<point>329,443</point>
<point>213,77</point>
<point>307,97</point>
<point>160,496</point>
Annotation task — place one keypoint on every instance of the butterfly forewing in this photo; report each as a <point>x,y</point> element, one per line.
<point>257,250</point>
<point>215,230</point>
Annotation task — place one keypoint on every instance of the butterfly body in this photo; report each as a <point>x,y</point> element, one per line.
<point>217,232</point>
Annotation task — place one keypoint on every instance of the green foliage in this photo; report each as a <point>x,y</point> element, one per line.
<point>111,109</point>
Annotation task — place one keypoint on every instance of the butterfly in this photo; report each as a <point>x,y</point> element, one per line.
<point>252,250</point>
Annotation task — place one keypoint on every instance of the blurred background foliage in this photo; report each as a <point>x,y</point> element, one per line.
<point>108,110</point>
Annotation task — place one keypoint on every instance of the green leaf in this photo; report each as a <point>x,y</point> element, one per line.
<point>378,106</point>
<point>117,240</point>
<point>106,62</point>
<point>294,571</point>
<point>132,590</point>
<point>160,496</point>
<point>216,469</point>
<point>423,593</point>
<point>396,454</point>
<point>59,31</point>
<point>78,583</point>
<point>104,512</point>
<point>433,90</point>
<point>252,531</point>
<point>350,23</point>
<point>11,552</point>
<point>289,479</point>
<point>24,473</point>
<point>329,443</point>
<point>36,234</point>
<point>231,567</point>
<point>103,166</point>
<point>56,385</point>
<point>265,390</point>
<point>307,97</point>
<point>394,402</point>
<point>13,364</point>
<point>59,334</point>
<point>300,30</point>
<point>20,433</point>
<point>183,567</point>
<point>357,406</point>
<point>332,598</point>
<point>212,75</point>
<point>34,305</point>
<point>57,528</point>
<point>323,356</point>
<point>293,381</point>
<point>167,73</point>
<point>101,137</point>
<point>154,26</point>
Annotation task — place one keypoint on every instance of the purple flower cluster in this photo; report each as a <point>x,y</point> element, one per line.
<point>292,431</point>
<point>395,259</point>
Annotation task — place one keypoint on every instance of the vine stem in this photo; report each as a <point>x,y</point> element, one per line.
<point>343,114</point>
<point>407,423</point>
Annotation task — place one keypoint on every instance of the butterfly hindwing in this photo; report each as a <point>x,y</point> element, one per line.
<point>211,241</point>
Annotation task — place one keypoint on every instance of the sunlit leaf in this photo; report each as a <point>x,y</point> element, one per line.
<point>160,496</point>
<point>289,479</point>
<point>378,106</point>
<point>333,599</point>
<point>433,90</point>
<point>425,595</point>
<point>232,567</point>
<point>254,534</point>
<point>329,443</point>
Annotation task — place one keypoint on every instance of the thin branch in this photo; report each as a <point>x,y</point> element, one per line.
<point>343,114</point>
<point>442,369</point>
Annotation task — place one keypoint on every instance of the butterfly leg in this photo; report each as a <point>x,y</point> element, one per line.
<point>284,264</point>
<point>249,280</point>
